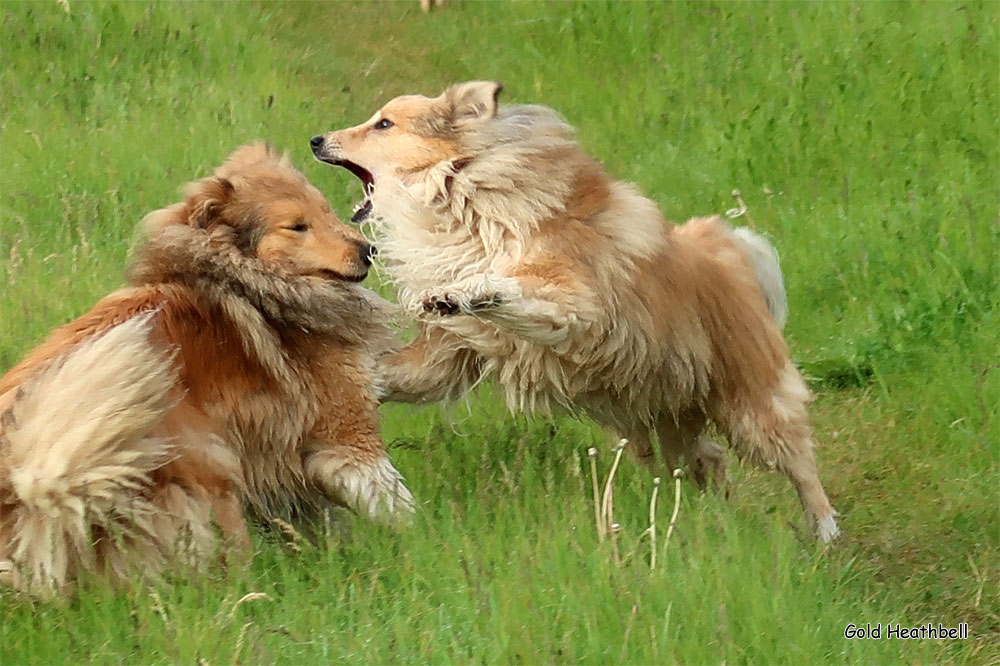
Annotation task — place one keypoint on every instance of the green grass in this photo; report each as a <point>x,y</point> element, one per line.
<point>863,138</point>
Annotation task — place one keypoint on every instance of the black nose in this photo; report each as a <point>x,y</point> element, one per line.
<point>367,253</point>
<point>316,142</point>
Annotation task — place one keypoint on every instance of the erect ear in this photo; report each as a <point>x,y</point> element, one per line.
<point>206,202</point>
<point>473,100</point>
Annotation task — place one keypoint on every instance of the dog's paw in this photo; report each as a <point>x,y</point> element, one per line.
<point>378,493</point>
<point>826,528</point>
<point>449,303</point>
<point>708,465</point>
<point>485,302</point>
<point>372,489</point>
<point>444,304</point>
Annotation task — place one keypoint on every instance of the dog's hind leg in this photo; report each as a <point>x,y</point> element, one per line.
<point>708,464</point>
<point>641,447</point>
<point>209,474</point>
<point>681,437</point>
<point>775,433</point>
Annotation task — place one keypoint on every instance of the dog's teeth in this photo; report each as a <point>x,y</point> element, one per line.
<point>362,211</point>
<point>361,204</point>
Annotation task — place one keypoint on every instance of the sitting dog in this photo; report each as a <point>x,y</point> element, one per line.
<point>532,266</point>
<point>236,370</point>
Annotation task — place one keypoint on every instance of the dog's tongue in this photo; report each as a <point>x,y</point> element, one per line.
<point>363,210</point>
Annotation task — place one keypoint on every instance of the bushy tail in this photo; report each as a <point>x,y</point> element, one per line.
<point>76,449</point>
<point>765,262</point>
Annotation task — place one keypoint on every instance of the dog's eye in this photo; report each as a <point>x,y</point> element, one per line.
<point>299,226</point>
<point>384,123</point>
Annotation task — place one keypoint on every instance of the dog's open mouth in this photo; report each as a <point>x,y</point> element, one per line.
<point>363,209</point>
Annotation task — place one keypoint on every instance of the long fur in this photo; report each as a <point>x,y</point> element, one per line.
<point>765,262</point>
<point>265,298</point>
<point>529,265</point>
<point>80,444</point>
<point>229,375</point>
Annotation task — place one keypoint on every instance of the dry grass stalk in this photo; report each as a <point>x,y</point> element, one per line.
<point>615,529</point>
<point>652,524</point>
<point>240,640</point>
<point>592,454</point>
<point>608,501</point>
<point>246,598</point>
<point>677,507</point>
<point>741,210</point>
<point>292,536</point>
<point>160,609</point>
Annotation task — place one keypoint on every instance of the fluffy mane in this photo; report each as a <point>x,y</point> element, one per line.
<point>209,262</point>
<point>492,194</point>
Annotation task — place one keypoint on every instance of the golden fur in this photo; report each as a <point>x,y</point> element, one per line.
<point>530,265</point>
<point>236,370</point>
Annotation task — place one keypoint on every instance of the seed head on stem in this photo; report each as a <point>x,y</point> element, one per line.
<point>592,454</point>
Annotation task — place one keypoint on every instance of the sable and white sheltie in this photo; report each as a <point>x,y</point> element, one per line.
<point>529,264</point>
<point>235,371</point>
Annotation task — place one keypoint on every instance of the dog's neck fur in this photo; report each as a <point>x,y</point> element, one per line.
<point>491,194</point>
<point>210,263</point>
<point>468,212</point>
<point>464,216</point>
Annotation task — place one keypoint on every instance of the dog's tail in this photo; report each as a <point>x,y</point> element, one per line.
<point>764,259</point>
<point>76,451</point>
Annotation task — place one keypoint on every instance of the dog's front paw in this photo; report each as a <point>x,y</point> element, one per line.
<point>448,303</point>
<point>378,493</point>
<point>372,489</point>
<point>444,304</point>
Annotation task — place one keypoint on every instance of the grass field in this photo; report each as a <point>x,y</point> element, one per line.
<point>863,137</point>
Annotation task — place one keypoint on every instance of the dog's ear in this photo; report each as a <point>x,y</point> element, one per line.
<point>206,202</point>
<point>473,101</point>
<point>250,157</point>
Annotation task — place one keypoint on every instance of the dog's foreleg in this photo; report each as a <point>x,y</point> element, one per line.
<point>346,458</point>
<point>369,486</point>
<point>431,368</point>
<point>532,309</point>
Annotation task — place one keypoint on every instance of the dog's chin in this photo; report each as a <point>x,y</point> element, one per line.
<point>333,276</point>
